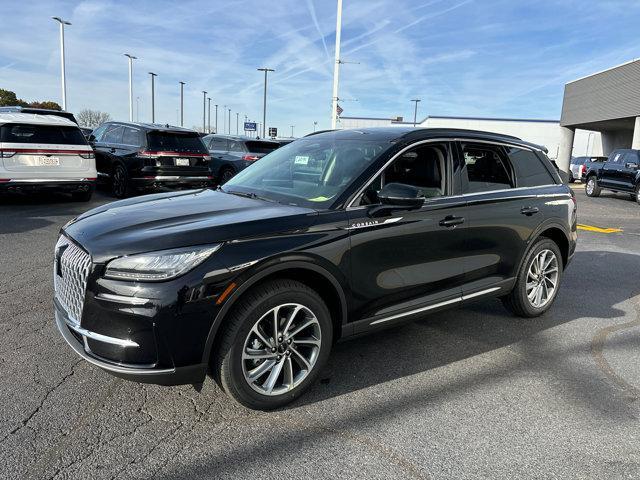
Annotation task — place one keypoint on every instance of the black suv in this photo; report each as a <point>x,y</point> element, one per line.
<point>619,173</point>
<point>229,155</point>
<point>143,156</point>
<point>333,235</point>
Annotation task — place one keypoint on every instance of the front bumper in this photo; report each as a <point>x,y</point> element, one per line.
<point>80,340</point>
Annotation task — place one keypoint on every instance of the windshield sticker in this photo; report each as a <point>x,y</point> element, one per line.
<point>301,160</point>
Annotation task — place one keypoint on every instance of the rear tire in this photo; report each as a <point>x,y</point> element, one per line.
<point>292,359</point>
<point>226,175</point>
<point>83,196</point>
<point>592,189</point>
<point>538,281</point>
<point>120,182</point>
<point>638,194</point>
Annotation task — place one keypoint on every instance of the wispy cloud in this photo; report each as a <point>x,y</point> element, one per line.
<point>465,57</point>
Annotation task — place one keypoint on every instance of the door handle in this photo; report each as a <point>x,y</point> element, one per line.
<point>528,211</point>
<point>451,221</point>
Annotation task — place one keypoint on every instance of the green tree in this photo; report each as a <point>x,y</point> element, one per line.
<point>47,104</point>
<point>8,98</point>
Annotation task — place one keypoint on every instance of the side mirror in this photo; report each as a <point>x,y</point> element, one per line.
<point>631,165</point>
<point>397,196</point>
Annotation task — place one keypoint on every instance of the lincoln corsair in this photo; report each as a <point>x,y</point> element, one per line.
<point>333,235</point>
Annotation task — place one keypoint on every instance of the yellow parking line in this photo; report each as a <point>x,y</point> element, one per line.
<point>591,228</point>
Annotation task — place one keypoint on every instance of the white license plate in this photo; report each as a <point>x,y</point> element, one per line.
<point>182,162</point>
<point>48,161</point>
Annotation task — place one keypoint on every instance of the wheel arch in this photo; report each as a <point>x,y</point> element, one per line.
<point>312,275</point>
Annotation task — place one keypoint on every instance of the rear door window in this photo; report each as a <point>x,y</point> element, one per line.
<point>113,135</point>
<point>159,141</point>
<point>486,168</point>
<point>219,144</point>
<point>131,136</point>
<point>236,146</point>
<point>529,170</point>
<point>99,132</point>
<point>43,134</point>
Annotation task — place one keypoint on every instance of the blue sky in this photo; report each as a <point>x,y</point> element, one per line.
<point>499,58</point>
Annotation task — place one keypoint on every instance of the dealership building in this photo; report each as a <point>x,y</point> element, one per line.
<point>541,132</point>
<point>607,102</point>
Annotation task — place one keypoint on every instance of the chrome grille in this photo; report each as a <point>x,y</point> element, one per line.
<point>74,264</point>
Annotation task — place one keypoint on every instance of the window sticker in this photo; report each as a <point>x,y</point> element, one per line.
<point>301,160</point>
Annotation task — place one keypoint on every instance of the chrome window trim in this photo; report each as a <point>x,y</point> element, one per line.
<point>435,305</point>
<point>350,205</point>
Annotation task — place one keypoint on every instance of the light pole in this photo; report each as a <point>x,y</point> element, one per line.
<point>209,115</point>
<point>415,111</point>
<point>292,130</point>
<point>216,117</point>
<point>153,97</point>
<point>62,68</point>
<point>182,103</point>
<point>229,124</point>
<point>336,68</point>
<point>204,111</point>
<point>224,118</point>
<point>315,124</point>
<point>137,109</point>
<point>131,59</point>
<point>237,122</point>
<point>264,99</point>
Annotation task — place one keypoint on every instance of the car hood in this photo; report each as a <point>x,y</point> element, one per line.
<point>172,220</point>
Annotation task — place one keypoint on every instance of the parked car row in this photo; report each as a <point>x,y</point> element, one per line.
<point>128,157</point>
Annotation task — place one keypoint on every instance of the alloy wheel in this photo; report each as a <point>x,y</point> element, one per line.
<point>591,184</point>
<point>542,278</point>
<point>281,349</point>
<point>119,182</point>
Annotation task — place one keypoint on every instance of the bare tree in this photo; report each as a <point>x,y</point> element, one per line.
<point>92,118</point>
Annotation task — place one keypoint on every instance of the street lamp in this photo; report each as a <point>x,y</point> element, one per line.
<point>153,99</point>
<point>264,99</point>
<point>336,67</point>
<point>216,117</point>
<point>182,103</point>
<point>415,112</point>
<point>64,80</point>
<point>137,109</point>
<point>315,124</point>
<point>229,124</point>
<point>292,130</point>
<point>131,59</point>
<point>224,118</point>
<point>204,111</point>
<point>209,115</point>
<point>237,122</point>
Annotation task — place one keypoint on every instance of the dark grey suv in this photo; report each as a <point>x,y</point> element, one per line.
<point>229,154</point>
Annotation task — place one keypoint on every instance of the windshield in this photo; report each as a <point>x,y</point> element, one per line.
<point>175,142</point>
<point>309,172</point>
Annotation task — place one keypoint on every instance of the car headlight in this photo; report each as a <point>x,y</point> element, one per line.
<point>158,266</point>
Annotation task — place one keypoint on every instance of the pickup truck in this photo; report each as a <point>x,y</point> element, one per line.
<point>619,174</point>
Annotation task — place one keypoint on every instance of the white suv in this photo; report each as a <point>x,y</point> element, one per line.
<point>45,151</point>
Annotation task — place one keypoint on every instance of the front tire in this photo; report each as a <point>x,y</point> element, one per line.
<point>538,280</point>
<point>276,341</point>
<point>592,189</point>
<point>226,175</point>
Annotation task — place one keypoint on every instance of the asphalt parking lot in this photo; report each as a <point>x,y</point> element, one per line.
<point>469,393</point>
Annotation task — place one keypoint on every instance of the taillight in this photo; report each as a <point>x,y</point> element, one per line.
<point>7,153</point>
<point>88,156</point>
<point>250,158</point>
<point>5,180</point>
<point>147,154</point>
<point>583,169</point>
